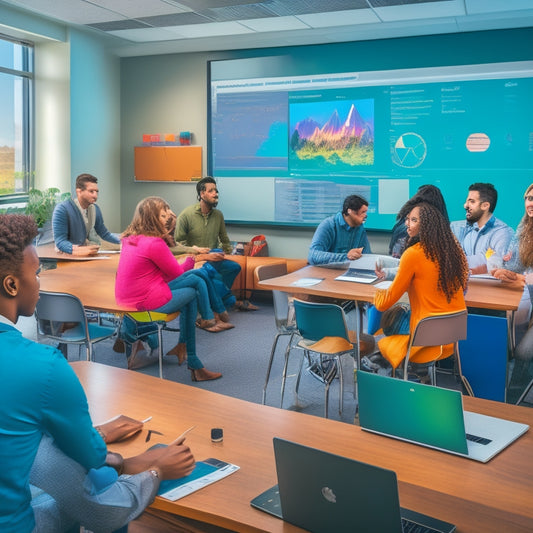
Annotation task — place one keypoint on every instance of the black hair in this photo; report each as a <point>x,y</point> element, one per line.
<point>201,185</point>
<point>353,202</point>
<point>487,193</point>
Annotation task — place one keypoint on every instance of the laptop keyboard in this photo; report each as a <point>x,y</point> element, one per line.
<point>412,527</point>
<point>360,274</point>
<point>479,440</point>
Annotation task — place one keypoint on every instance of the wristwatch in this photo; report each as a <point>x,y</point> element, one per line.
<point>154,473</point>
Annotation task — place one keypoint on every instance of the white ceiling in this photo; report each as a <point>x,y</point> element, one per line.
<point>142,27</point>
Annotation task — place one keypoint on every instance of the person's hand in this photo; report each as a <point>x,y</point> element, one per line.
<point>212,256</point>
<point>200,250</point>
<point>480,269</point>
<point>380,273</point>
<point>508,276</point>
<point>84,251</point>
<point>355,253</point>
<point>173,461</point>
<point>119,429</point>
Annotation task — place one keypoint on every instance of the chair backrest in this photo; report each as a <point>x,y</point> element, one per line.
<point>59,307</point>
<point>440,329</point>
<point>280,299</point>
<point>318,320</point>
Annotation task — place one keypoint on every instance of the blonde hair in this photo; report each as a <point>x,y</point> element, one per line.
<point>525,239</point>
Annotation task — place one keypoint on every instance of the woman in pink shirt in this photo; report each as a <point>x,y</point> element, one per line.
<point>145,274</point>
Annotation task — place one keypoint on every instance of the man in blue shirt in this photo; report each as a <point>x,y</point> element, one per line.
<point>78,223</point>
<point>481,230</point>
<point>44,409</point>
<point>341,237</point>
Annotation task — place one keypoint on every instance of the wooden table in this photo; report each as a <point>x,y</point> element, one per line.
<point>481,293</point>
<point>92,281</point>
<point>492,497</point>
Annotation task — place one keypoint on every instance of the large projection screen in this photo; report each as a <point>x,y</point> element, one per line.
<point>287,149</point>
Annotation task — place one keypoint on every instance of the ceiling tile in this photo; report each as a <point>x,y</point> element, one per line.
<point>340,18</point>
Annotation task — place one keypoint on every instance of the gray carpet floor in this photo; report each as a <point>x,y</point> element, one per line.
<point>242,354</point>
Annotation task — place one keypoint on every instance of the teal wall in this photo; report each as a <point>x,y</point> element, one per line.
<point>95,120</point>
<point>168,94</point>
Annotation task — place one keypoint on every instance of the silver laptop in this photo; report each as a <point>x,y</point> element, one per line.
<point>362,270</point>
<point>431,416</point>
<point>322,492</point>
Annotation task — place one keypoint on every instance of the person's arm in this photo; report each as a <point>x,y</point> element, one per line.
<point>323,241</point>
<point>60,228</point>
<point>65,415</point>
<point>101,229</point>
<point>223,237</point>
<point>385,298</point>
<point>161,255</point>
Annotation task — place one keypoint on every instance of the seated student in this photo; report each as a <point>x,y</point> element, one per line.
<point>518,268</point>
<point>77,223</point>
<point>41,395</point>
<point>434,273</point>
<point>424,193</point>
<point>481,230</point>
<point>148,279</point>
<point>341,237</point>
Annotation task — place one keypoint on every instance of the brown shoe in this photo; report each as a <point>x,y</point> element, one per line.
<point>180,350</point>
<point>245,305</point>
<point>206,324</point>
<point>222,317</point>
<point>202,374</point>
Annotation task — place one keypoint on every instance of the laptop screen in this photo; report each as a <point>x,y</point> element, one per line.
<point>418,413</point>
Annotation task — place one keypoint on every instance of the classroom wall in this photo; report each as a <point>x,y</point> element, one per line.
<point>168,94</point>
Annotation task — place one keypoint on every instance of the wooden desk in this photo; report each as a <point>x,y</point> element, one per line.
<point>492,497</point>
<point>93,282</point>
<point>484,294</point>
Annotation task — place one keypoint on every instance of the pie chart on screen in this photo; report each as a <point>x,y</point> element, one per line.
<point>409,150</point>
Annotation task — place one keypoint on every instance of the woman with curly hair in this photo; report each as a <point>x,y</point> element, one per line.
<point>149,279</point>
<point>434,272</point>
<point>518,268</point>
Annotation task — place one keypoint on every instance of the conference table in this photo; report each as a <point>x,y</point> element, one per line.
<point>491,497</point>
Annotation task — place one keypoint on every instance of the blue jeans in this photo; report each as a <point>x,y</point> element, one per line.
<point>207,296</point>
<point>184,300</point>
<point>228,269</point>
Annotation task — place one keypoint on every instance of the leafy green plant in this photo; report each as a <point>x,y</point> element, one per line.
<point>41,203</point>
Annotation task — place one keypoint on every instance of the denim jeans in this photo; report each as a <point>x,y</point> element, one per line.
<point>208,298</point>
<point>184,300</point>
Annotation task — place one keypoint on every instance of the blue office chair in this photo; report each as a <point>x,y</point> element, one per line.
<point>61,317</point>
<point>284,317</point>
<point>325,333</point>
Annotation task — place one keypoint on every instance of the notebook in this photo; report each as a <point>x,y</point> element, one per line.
<point>322,492</point>
<point>431,416</point>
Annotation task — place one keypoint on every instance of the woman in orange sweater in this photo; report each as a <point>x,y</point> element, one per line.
<point>434,272</point>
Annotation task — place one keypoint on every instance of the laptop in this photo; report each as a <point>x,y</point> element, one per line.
<point>362,270</point>
<point>431,416</point>
<point>322,492</point>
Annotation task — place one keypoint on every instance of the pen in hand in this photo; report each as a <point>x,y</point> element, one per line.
<point>182,436</point>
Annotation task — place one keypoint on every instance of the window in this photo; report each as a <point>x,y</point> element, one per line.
<point>16,97</point>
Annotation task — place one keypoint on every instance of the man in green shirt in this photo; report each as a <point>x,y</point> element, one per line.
<point>202,226</point>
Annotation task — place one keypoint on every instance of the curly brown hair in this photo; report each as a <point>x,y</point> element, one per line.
<point>17,232</point>
<point>146,218</point>
<point>525,243</point>
<point>441,246</point>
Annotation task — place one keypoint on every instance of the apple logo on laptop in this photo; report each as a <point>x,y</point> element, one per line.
<point>329,495</point>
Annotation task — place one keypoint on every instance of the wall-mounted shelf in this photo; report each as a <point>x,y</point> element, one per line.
<point>168,163</point>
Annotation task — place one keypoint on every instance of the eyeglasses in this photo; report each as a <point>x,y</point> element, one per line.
<point>528,198</point>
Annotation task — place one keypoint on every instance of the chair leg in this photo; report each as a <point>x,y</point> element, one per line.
<point>305,356</point>
<point>285,367</point>
<point>525,393</point>
<point>341,385</point>
<point>160,349</point>
<point>272,352</point>
<point>464,381</point>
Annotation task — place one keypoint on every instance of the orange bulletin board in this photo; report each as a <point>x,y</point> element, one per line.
<point>168,163</point>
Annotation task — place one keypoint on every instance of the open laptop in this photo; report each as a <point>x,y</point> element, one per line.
<point>362,270</point>
<point>431,416</point>
<point>322,492</point>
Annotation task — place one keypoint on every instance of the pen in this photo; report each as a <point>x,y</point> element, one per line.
<point>146,420</point>
<point>182,435</point>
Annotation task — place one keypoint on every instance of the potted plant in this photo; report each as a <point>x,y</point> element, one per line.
<point>41,206</point>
